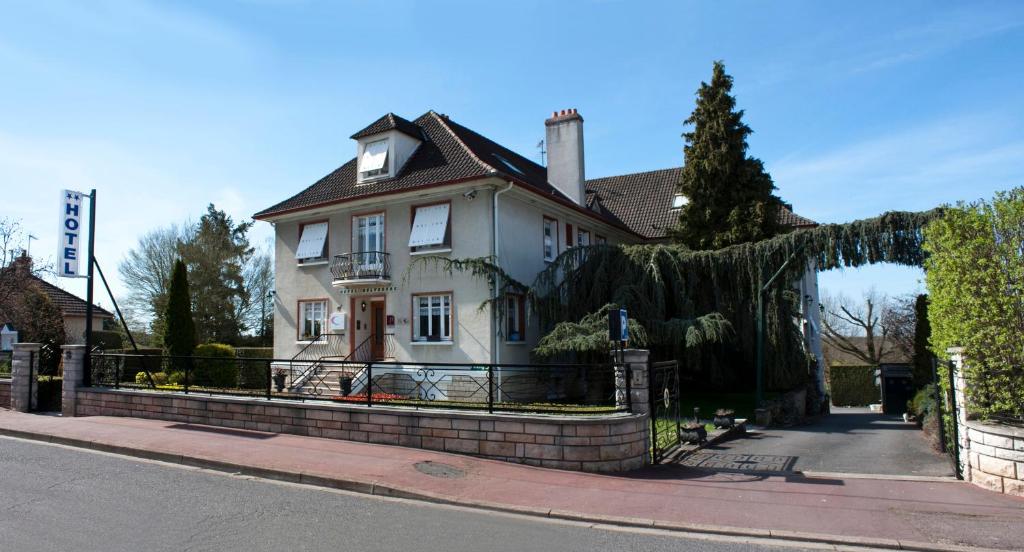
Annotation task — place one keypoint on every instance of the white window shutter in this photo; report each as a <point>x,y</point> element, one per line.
<point>311,243</point>
<point>374,156</point>
<point>429,226</point>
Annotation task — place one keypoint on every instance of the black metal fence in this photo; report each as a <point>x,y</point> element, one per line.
<point>536,388</point>
<point>665,413</point>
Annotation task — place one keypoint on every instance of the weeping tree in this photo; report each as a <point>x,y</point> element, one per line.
<point>699,306</point>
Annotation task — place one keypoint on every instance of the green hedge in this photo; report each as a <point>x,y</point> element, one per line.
<point>254,352</point>
<point>220,370</point>
<point>853,386</point>
<point>107,340</point>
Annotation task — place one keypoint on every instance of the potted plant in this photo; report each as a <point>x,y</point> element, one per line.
<point>280,375</point>
<point>725,418</point>
<point>693,432</point>
<point>345,384</point>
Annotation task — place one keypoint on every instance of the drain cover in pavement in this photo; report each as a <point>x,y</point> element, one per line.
<point>437,469</point>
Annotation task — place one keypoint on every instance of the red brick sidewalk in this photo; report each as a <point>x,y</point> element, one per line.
<point>884,510</point>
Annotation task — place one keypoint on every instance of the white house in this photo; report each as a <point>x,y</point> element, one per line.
<point>432,186</point>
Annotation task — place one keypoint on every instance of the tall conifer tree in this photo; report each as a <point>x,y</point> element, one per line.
<point>729,194</point>
<point>180,337</point>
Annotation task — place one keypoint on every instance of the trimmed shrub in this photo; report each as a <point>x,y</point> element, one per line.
<point>853,386</point>
<point>923,403</point>
<point>254,352</point>
<point>220,369</point>
<point>159,378</point>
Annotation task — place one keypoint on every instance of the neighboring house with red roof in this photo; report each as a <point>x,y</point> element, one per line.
<point>431,186</point>
<point>72,307</point>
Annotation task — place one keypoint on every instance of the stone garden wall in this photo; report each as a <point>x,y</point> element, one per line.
<point>611,442</point>
<point>996,457</point>
<point>603,443</point>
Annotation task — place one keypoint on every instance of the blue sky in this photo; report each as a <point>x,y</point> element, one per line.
<point>857,107</point>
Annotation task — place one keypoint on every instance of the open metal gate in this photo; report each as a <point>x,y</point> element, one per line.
<point>665,415</point>
<point>45,382</point>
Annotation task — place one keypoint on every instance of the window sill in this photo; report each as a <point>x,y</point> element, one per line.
<point>515,343</point>
<point>322,342</point>
<point>431,251</point>
<point>431,343</point>
<point>324,262</point>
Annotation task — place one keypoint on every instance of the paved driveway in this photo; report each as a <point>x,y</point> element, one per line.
<point>850,440</point>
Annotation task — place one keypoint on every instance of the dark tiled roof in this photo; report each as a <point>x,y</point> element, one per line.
<point>643,201</point>
<point>68,303</point>
<point>390,122</point>
<point>788,218</point>
<point>450,152</point>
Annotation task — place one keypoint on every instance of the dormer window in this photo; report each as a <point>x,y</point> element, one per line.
<point>374,161</point>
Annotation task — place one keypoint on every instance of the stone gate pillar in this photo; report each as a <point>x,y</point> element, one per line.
<point>638,389</point>
<point>74,370</point>
<point>24,364</point>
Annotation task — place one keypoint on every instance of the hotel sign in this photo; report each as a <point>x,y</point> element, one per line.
<point>69,236</point>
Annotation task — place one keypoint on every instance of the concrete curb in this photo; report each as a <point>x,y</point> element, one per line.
<point>377,488</point>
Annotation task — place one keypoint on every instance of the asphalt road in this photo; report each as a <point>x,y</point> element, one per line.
<point>850,440</point>
<point>56,498</point>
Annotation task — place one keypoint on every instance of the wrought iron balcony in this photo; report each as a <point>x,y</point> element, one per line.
<point>364,267</point>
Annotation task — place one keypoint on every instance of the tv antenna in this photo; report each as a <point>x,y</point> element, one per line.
<point>540,146</point>
<point>28,250</point>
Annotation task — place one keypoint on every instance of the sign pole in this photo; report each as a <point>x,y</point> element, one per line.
<point>87,369</point>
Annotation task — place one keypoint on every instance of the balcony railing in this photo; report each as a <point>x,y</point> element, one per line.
<point>364,266</point>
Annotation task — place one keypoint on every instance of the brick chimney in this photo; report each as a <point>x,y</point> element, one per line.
<point>564,137</point>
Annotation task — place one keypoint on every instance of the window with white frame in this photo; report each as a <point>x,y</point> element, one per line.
<point>431,227</point>
<point>583,237</point>
<point>374,160</point>
<point>679,200</point>
<point>550,239</point>
<point>515,318</point>
<point>368,242</point>
<point>432,317</point>
<point>312,242</point>
<point>312,319</point>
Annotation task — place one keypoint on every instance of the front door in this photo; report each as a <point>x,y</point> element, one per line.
<point>377,330</point>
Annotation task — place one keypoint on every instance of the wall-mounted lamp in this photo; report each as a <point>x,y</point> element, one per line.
<point>362,306</point>
<point>470,195</point>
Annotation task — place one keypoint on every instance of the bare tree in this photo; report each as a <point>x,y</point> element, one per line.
<point>146,270</point>
<point>258,275</point>
<point>901,320</point>
<point>862,329</point>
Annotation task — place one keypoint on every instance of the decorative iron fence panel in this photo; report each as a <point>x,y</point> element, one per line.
<point>535,388</point>
<point>665,413</point>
